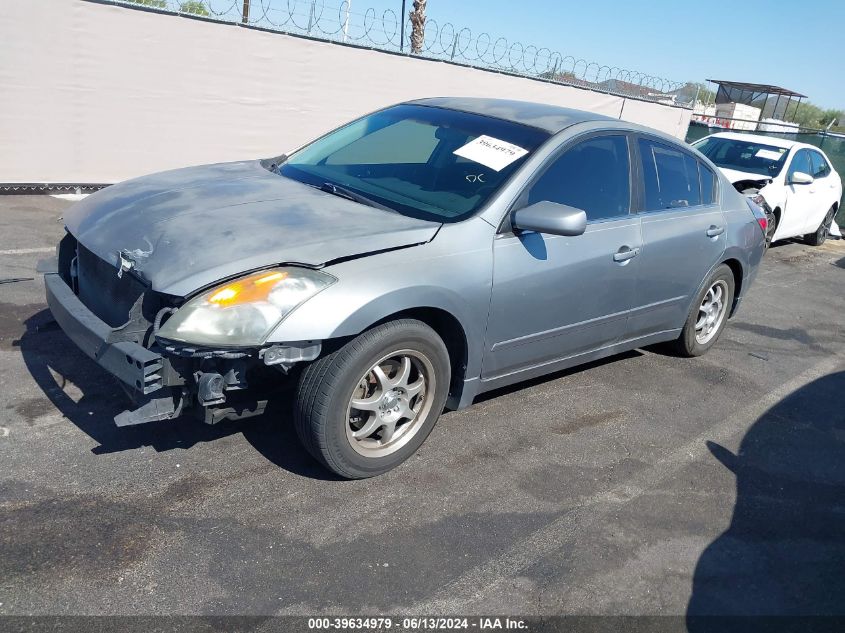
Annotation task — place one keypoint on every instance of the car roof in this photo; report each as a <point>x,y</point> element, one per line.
<point>544,116</point>
<point>774,141</point>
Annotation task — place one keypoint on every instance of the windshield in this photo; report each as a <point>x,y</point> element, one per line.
<point>742,155</point>
<point>430,163</point>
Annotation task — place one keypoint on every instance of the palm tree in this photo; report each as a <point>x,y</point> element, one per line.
<point>418,26</point>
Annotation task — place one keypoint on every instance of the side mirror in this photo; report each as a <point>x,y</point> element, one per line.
<point>800,178</point>
<point>550,217</point>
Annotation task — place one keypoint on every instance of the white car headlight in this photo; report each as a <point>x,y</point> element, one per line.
<point>246,310</point>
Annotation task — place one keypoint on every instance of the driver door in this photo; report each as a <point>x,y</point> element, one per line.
<point>556,297</point>
<point>799,197</point>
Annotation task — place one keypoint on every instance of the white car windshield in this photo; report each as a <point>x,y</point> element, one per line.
<point>744,155</point>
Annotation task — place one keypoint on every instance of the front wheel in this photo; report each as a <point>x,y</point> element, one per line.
<point>709,314</point>
<point>365,408</point>
<point>818,238</point>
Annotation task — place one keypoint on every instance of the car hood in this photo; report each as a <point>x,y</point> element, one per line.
<point>188,228</point>
<point>735,176</point>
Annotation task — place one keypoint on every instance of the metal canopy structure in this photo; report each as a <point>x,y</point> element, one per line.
<point>759,96</point>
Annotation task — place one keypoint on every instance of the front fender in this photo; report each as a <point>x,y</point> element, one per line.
<point>445,274</point>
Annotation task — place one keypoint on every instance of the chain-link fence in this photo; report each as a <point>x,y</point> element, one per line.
<point>337,21</point>
<point>832,144</point>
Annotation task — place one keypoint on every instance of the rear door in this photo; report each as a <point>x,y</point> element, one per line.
<point>556,297</point>
<point>683,232</point>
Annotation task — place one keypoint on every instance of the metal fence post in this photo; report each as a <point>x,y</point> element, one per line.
<point>245,14</point>
<point>402,23</point>
<point>311,16</point>
<point>346,20</point>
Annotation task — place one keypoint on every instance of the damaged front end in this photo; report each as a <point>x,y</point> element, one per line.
<point>751,188</point>
<point>114,317</point>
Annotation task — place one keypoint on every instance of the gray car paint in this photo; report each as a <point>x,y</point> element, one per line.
<point>188,228</point>
<point>373,288</point>
<point>527,304</point>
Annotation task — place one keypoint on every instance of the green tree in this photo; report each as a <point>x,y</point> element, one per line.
<point>812,116</point>
<point>155,4</point>
<point>194,7</point>
<point>687,93</point>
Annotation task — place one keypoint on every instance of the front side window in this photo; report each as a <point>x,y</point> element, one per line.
<point>819,165</point>
<point>671,177</point>
<point>592,175</point>
<point>743,155</point>
<point>801,162</point>
<point>425,162</point>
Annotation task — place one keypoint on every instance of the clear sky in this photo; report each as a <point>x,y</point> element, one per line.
<point>800,46</point>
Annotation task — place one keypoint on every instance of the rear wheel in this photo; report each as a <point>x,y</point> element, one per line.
<point>709,314</point>
<point>818,238</point>
<point>367,407</point>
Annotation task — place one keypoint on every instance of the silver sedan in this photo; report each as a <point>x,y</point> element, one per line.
<point>404,263</point>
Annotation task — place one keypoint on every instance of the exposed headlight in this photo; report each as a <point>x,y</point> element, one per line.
<point>760,201</point>
<point>246,310</point>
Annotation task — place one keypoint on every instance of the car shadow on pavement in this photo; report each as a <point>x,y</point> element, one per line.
<point>89,397</point>
<point>784,551</point>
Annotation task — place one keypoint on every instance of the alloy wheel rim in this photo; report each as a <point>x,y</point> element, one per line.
<point>711,312</point>
<point>389,403</point>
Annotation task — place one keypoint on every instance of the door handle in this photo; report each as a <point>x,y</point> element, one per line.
<point>714,230</point>
<point>625,253</point>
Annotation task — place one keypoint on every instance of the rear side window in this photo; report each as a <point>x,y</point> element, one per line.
<point>819,165</point>
<point>592,175</point>
<point>671,177</point>
<point>708,184</point>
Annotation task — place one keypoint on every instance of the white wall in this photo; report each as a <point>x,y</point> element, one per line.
<point>95,93</point>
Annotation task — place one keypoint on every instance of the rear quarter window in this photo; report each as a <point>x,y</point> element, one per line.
<point>708,184</point>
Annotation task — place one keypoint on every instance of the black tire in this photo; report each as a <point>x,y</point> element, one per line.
<point>818,238</point>
<point>687,344</point>
<point>322,401</point>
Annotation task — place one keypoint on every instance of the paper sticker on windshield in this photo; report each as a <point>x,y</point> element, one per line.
<point>491,152</point>
<point>769,154</point>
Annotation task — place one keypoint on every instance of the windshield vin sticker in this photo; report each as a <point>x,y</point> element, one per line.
<point>769,154</point>
<point>491,152</point>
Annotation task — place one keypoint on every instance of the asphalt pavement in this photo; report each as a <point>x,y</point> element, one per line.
<point>643,484</point>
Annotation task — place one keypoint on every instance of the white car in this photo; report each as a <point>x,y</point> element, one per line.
<point>794,180</point>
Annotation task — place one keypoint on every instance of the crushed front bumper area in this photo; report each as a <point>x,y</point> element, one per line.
<point>166,379</point>
<point>137,367</point>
